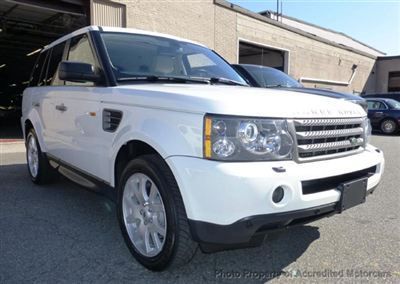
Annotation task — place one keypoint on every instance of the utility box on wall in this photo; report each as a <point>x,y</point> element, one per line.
<point>108,13</point>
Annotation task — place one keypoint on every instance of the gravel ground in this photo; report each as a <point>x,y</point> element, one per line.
<point>64,233</point>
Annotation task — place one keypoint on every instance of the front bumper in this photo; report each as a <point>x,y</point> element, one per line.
<point>236,198</point>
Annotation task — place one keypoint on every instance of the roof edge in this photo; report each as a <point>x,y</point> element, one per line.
<point>390,57</point>
<point>326,29</point>
<point>241,10</point>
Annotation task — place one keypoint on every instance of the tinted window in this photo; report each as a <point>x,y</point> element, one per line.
<point>56,57</point>
<point>142,55</point>
<point>374,105</point>
<point>37,69</point>
<point>81,51</point>
<point>270,77</point>
<point>393,104</point>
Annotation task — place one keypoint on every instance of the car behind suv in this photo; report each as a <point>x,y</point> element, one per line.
<point>194,155</point>
<point>393,96</point>
<point>268,77</point>
<point>384,114</point>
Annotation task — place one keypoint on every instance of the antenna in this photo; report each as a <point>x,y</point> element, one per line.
<point>281,9</point>
<point>277,10</point>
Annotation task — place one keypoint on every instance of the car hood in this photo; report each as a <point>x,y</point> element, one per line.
<point>232,100</point>
<point>326,93</point>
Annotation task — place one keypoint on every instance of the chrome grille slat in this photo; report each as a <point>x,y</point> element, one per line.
<point>329,133</point>
<point>328,146</point>
<point>325,122</point>
<point>316,138</point>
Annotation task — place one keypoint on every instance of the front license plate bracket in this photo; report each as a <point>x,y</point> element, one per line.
<point>352,193</point>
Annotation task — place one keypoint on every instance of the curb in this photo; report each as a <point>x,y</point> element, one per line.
<point>9,147</point>
<point>11,141</point>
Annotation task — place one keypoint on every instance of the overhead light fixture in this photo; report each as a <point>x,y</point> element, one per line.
<point>13,85</point>
<point>25,83</point>
<point>3,65</point>
<point>34,52</point>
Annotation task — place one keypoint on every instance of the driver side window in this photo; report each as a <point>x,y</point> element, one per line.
<point>80,50</point>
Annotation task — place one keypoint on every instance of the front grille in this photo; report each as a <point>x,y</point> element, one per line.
<point>320,137</point>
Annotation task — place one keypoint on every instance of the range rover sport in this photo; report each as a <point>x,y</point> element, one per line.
<point>195,156</point>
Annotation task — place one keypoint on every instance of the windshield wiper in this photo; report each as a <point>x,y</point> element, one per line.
<point>220,80</point>
<point>154,78</point>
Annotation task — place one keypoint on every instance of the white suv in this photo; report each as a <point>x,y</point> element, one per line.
<point>196,157</point>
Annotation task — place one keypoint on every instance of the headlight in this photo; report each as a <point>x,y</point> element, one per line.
<point>246,139</point>
<point>367,131</point>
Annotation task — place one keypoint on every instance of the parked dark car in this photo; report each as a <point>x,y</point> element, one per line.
<point>393,96</point>
<point>267,77</point>
<point>384,114</point>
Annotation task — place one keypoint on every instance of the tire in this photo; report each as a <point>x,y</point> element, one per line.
<point>39,168</point>
<point>388,126</point>
<point>150,204</point>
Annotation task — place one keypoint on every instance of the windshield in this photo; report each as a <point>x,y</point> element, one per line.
<point>393,103</point>
<point>270,77</point>
<point>134,56</point>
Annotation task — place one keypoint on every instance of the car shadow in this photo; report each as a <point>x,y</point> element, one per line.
<point>59,232</point>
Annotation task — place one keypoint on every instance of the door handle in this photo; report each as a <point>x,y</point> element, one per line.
<point>61,107</point>
<point>35,104</point>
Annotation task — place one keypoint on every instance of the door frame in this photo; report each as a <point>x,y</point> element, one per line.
<point>286,52</point>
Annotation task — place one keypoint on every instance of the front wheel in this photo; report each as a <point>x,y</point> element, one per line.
<point>152,216</point>
<point>388,126</point>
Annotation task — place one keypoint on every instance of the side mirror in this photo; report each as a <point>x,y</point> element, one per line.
<point>78,72</point>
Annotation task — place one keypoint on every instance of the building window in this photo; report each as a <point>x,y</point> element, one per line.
<point>259,55</point>
<point>394,82</point>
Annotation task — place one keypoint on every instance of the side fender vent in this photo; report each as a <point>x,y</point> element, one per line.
<point>111,119</point>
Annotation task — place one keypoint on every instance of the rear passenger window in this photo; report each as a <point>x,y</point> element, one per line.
<point>37,69</point>
<point>375,105</point>
<point>55,59</point>
<point>81,51</point>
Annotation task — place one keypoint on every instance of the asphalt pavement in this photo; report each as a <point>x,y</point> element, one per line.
<point>63,233</point>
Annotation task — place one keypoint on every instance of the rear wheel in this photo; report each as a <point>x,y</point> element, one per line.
<point>152,216</point>
<point>388,126</point>
<point>39,168</point>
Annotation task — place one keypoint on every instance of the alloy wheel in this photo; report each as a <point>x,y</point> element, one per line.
<point>33,156</point>
<point>144,215</point>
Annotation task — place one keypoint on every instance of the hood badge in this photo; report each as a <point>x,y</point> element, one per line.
<point>329,112</point>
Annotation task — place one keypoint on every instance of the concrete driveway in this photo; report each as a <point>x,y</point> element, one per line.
<point>64,233</point>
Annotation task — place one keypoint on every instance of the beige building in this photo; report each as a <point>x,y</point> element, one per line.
<point>314,55</point>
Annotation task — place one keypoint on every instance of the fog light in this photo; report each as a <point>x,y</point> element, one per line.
<point>278,194</point>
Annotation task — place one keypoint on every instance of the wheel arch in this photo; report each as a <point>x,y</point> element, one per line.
<point>27,126</point>
<point>29,123</point>
<point>128,151</point>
